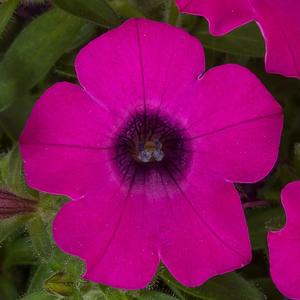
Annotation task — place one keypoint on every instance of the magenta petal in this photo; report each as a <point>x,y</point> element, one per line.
<point>222,15</point>
<point>284,245</point>
<point>116,236</point>
<point>204,232</point>
<point>64,140</point>
<point>140,61</point>
<point>280,23</point>
<point>239,125</point>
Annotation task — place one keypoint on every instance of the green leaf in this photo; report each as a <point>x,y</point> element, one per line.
<point>126,9</point>
<point>95,295</point>
<point>244,41</point>
<point>8,289</point>
<point>11,170</point>
<point>86,33</point>
<point>6,11</point>
<point>107,294</point>
<point>40,237</point>
<point>230,286</point>
<point>39,296</point>
<point>41,274</point>
<point>34,52</point>
<point>153,295</point>
<point>262,220</point>
<point>97,11</point>
<point>12,119</point>
<point>11,225</point>
<point>62,262</point>
<point>18,252</point>
<point>153,9</point>
<point>268,287</point>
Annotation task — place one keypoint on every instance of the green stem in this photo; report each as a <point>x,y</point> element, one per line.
<point>171,13</point>
<point>39,237</point>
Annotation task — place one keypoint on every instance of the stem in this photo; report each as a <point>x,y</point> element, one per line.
<point>171,13</point>
<point>39,237</point>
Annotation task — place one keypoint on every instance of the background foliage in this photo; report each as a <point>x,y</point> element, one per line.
<point>38,43</point>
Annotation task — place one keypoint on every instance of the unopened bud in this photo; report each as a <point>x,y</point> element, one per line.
<point>11,205</point>
<point>29,9</point>
<point>60,284</point>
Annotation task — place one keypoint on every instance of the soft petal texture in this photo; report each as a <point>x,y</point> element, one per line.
<point>140,61</point>
<point>284,245</point>
<point>222,15</point>
<point>234,123</point>
<point>280,24</point>
<point>198,234</point>
<point>64,140</point>
<point>203,231</point>
<point>278,20</point>
<point>115,232</point>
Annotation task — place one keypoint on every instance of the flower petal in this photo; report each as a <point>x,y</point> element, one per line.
<point>64,143</point>
<point>222,15</point>
<point>142,62</point>
<point>237,124</point>
<point>284,245</point>
<point>204,232</point>
<point>280,24</point>
<point>116,236</point>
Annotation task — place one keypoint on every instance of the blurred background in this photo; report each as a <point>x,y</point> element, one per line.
<point>38,43</point>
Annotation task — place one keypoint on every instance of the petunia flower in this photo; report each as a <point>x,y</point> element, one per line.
<point>284,245</point>
<point>148,147</point>
<point>278,20</point>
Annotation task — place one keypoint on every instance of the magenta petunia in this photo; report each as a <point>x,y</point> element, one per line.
<point>284,245</point>
<point>278,19</point>
<point>148,147</point>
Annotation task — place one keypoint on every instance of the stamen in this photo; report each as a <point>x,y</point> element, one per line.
<point>145,156</point>
<point>158,155</point>
<point>151,151</point>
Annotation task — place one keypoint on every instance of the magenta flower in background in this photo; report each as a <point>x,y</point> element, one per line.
<point>284,245</point>
<point>278,20</point>
<point>149,147</point>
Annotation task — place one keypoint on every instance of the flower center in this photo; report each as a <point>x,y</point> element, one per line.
<point>151,147</point>
<point>150,151</point>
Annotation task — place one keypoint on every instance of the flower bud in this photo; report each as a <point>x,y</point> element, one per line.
<point>60,284</point>
<point>11,205</point>
<point>30,9</point>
